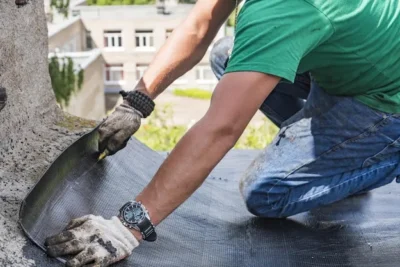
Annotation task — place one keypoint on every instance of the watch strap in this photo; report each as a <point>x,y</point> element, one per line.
<point>140,101</point>
<point>145,227</point>
<point>147,230</point>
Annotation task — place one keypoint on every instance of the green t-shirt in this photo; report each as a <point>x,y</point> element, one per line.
<point>351,47</point>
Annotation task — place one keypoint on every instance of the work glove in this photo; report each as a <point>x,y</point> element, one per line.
<point>93,239</point>
<point>116,130</point>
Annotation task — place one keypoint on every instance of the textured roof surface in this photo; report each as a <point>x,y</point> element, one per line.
<point>212,228</point>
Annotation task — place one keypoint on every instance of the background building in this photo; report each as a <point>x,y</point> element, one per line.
<point>129,37</point>
<point>115,45</point>
<point>67,39</point>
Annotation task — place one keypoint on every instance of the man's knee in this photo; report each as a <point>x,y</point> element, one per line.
<point>219,55</point>
<point>264,198</point>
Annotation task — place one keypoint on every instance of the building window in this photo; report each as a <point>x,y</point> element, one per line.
<point>140,69</point>
<point>204,74</point>
<point>144,39</point>
<point>76,13</point>
<point>113,39</point>
<point>89,41</point>
<point>168,33</point>
<point>114,74</point>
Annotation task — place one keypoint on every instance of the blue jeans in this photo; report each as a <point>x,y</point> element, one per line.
<point>328,148</point>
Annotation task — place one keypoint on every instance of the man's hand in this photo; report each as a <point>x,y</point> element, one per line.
<point>93,239</point>
<point>118,128</point>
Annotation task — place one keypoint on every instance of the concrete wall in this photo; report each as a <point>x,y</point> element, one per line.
<point>69,36</point>
<point>89,102</point>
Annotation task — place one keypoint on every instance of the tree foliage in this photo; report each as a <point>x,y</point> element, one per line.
<point>61,6</point>
<point>119,2</point>
<point>193,93</point>
<point>64,80</point>
<point>130,2</point>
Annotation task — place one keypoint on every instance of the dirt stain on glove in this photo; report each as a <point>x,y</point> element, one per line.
<point>108,246</point>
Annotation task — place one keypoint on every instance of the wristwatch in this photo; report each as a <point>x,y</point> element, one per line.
<point>135,216</point>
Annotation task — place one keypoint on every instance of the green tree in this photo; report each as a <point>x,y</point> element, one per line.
<point>64,80</point>
<point>102,2</point>
<point>61,6</point>
<point>143,2</point>
<point>120,2</point>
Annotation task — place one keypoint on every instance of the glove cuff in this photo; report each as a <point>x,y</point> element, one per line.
<point>125,231</point>
<point>139,101</point>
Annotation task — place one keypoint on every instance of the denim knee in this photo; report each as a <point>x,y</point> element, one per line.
<point>219,55</point>
<point>265,199</point>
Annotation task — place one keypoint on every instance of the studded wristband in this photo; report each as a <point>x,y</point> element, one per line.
<point>139,101</point>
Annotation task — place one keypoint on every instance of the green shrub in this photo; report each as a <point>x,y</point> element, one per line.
<point>102,2</point>
<point>144,2</point>
<point>257,137</point>
<point>193,93</point>
<point>231,19</point>
<point>119,2</point>
<point>160,134</point>
<point>64,80</point>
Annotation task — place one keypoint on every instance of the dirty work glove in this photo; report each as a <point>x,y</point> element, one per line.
<point>116,130</point>
<point>124,121</point>
<point>93,239</point>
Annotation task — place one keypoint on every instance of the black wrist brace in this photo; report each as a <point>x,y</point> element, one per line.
<point>139,101</point>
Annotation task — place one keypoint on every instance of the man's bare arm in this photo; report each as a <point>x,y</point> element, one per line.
<point>182,51</point>
<point>186,46</point>
<point>234,102</point>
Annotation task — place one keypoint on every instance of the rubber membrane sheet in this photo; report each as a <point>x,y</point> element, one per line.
<point>213,227</point>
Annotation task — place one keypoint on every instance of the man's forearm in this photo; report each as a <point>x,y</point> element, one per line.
<point>169,64</point>
<point>235,100</point>
<point>185,169</point>
<point>186,46</point>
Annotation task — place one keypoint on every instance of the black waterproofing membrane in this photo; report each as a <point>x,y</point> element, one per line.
<point>213,227</point>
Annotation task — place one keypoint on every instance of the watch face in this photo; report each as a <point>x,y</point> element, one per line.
<point>133,213</point>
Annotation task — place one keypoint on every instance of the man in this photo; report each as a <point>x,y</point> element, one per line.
<point>340,55</point>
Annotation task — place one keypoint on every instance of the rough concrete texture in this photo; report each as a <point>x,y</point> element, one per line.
<point>33,130</point>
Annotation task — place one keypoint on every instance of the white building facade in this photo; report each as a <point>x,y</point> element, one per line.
<point>130,36</point>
